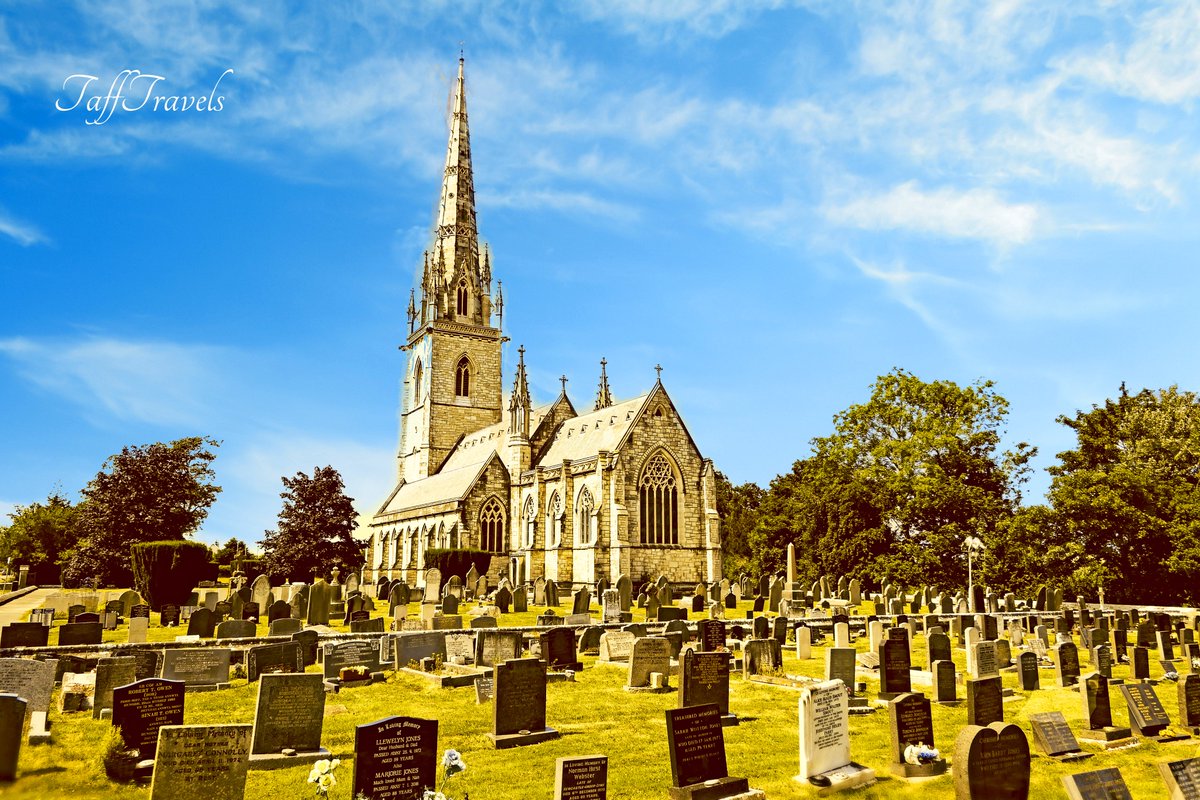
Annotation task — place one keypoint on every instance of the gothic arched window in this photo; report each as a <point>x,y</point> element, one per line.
<point>658,502</point>
<point>462,298</point>
<point>530,516</point>
<point>554,515</point>
<point>585,518</point>
<point>491,527</point>
<point>417,375</point>
<point>462,378</point>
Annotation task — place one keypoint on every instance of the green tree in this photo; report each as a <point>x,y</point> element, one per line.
<point>891,494</point>
<point>316,529</point>
<point>148,493</point>
<point>39,535</point>
<point>231,550</point>
<point>737,507</point>
<point>1129,493</point>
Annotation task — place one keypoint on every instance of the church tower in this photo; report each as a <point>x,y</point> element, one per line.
<point>452,377</point>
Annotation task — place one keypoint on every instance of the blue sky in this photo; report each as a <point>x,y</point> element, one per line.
<point>778,202</point>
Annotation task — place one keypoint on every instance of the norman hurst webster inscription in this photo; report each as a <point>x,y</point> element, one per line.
<point>132,90</point>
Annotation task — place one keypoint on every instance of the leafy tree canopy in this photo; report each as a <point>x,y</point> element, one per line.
<point>39,535</point>
<point>1129,494</point>
<point>147,493</point>
<point>315,531</point>
<point>737,507</point>
<point>891,494</point>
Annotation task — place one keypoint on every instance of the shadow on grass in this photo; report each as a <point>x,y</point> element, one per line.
<point>29,773</point>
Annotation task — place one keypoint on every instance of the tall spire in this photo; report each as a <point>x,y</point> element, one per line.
<point>457,237</point>
<point>603,393</point>
<point>519,402</point>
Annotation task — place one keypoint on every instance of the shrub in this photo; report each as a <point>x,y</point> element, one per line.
<point>457,562</point>
<point>166,572</point>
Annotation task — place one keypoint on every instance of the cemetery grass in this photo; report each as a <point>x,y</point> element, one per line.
<point>595,716</point>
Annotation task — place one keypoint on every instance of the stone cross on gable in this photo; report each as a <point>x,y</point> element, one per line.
<point>563,378</point>
<point>658,369</point>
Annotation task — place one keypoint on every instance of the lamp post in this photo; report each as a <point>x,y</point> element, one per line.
<point>973,545</point>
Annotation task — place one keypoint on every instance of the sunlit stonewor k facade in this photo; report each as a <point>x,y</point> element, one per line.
<point>618,487</point>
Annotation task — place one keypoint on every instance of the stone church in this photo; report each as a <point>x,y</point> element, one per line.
<point>620,488</point>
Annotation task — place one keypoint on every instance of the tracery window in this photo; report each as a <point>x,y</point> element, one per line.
<point>417,374</point>
<point>585,518</point>
<point>462,378</point>
<point>530,515</point>
<point>462,298</point>
<point>658,502</point>
<point>491,526</point>
<point>554,520</point>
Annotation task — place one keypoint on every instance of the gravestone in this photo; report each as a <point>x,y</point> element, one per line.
<point>1181,777</point>
<point>616,645</point>
<point>704,679</point>
<point>289,716</point>
<point>558,649</point>
<point>1147,716</point>
<point>236,629</point>
<point>825,738</point>
<point>111,673</point>
<point>696,747</point>
<point>711,633</point>
<point>581,778</point>
<point>80,633</point>
<point>1139,664</point>
<point>201,762</point>
<point>1189,703</point>
<point>1097,710</point>
<point>409,649</point>
<point>985,701</point>
<point>141,708</point>
<point>168,615</point>
<point>1053,736</point>
<point>938,648</point>
<point>32,681</point>
<point>280,609</point>
<point>1066,661</point>
<point>365,625</point>
<point>895,675</point>
<point>945,682</point>
<point>284,627</point>
<point>460,648</point>
<point>147,663</point>
<point>202,623</point>
<point>277,657</point>
<point>319,597</point>
<point>307,639</point>
<point>197,666</point>
<point>1101,783</point>
<point>337,656</point>
<point>26,634</point>
<point>395,757</point>
<point>991,762</point>
<point>761,656</point>
<point>12,723</point>
<point>910,718</point>
<point>985,661</point>
<point>651,654</point>
<point>1027,669</point>
<point>493,647</point>
<point>519,716</point>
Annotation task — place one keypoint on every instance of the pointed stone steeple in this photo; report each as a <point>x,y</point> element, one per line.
<point>519,402</point>
<point>603,393</point>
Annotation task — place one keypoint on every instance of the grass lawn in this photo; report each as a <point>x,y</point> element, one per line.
<point>596,716</point>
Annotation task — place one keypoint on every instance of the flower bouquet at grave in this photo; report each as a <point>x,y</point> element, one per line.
<point>920,753</point>
<point>452,764</point>
<point>322,775</point>
<point>120,763</point>
<point>355,673</point>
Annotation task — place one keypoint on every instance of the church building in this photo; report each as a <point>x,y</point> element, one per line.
<point>619,488</point>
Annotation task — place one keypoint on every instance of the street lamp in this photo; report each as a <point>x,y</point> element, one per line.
<point>973,545</point>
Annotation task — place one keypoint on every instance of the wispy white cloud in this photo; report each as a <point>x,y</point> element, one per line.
<point>156,382</point>
<point>561,201</point>
<point>903,284</point>
<point>657,20</point>
<point>971,214</point>
<point>23,233</point>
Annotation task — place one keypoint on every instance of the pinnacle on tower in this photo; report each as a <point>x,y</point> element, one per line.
<point>603,393</point>
<point>519,403</point>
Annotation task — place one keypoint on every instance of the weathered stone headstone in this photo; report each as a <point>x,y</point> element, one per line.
<point>1028,671</point>
<point>140,708</point>
<point>761,656</point>
<point>80,633</point>
<point>25,634</point>
<point>197,666</point>
<point>201,762</point>
<point>111,673</point>
<point>289,716</point>
<point>337,656</point>
<point>558,649</point>
<point>1066,662</point>
<point>236,629</point>
<point>32,681</point>
<point>395,757</point>
<point>202,623</point>
<point>1147,716</point>
<point>276,657</point>
<point>168,615</point>
<point>895,665</point>
<point>1182,778</point>
<point>696,746</point>
<point>1101,783</point>
<point>410,648</point>
<point>493,647</point>
<point>945,682</point>
<point>1189,702</point>
<point>704,679</point>
<point>985,701</point>
<point>991,762</point>
<point>1053,734</point>
<point>519,716</point>
<point>651,654</point>
<point>910,718</point>
<point>12,723</point>
<point>616,646</point>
